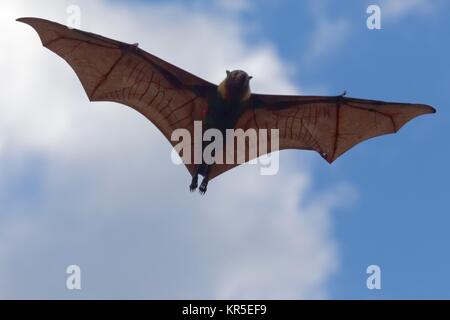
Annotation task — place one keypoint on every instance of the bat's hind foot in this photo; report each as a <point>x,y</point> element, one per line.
<point>203,187</point>
<point>194,183</point>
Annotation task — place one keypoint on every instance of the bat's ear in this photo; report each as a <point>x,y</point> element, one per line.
<point>228,73</point>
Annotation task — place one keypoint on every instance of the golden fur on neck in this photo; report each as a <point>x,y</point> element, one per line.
<point>222,89</point>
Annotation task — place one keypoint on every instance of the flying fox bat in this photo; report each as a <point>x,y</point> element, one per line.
<point>172,98</point>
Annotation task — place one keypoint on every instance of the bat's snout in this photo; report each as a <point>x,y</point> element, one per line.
<point>238,78</point>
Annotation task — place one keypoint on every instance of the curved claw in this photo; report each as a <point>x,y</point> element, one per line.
<point>194,184</point>
<point>203,188</point>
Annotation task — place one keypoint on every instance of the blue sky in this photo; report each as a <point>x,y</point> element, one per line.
<point>400,220</point>
<point>384,202</point>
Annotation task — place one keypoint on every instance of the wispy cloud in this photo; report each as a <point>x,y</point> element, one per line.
<point>396,9</point>
<point>328,37</point>
<point>235,5</point>
<point>329,33</point>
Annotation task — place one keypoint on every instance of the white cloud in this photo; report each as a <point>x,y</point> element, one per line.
<point>92,183</point>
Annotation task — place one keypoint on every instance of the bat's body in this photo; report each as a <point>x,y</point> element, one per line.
<point>172,99</point>
<point>224,108</point>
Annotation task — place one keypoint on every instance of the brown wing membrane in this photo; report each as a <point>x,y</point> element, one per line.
<point>328,125</point>
<point>110,70</point>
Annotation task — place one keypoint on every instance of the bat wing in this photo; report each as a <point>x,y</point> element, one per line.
<point>110,70</point>
<point>328,125</point>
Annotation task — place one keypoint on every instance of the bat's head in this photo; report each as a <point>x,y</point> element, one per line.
<point>236,85</point>
<point>238,78</point>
